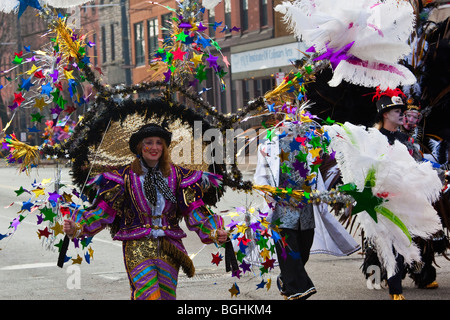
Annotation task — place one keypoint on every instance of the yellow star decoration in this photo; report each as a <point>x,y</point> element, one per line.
<point>91,252</point>
<point>265,254</point>
<point>32,70</point>
<point>234,291</point>
<point>38,192</point>
<point>77,260</point>
<point>269,283</point>
<point>233,214</point>
<point>67,197</point>
<point>45,181</point>
<point>241,228</point>
<point>57,228</point>
<point>68,74</point>
<point>197,59</point>
<point>284,156</point>
<point>315,152</point>
<point>40,103</point>
<point>265,223</point>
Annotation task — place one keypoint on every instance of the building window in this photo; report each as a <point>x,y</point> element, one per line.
<point>244,15</point>
<point>104,56</point>
<point>153,32</point>
<point>263,12</point>
<point>113,44</point>
<point>211,20</point>
<point>166,22</point>
<point>139,43</point>
<point>227,4</point>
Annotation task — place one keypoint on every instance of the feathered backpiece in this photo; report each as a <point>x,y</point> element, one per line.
<point>393,192</point>
<point>362,39</point>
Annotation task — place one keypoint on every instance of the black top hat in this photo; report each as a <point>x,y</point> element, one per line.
<point>386,103</point>
<point>149,130</point>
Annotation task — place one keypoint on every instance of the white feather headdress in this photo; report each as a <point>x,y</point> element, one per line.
<point>365,38</point>
<point>408,187</point>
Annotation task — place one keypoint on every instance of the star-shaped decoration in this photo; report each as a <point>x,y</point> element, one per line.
<point>39,103</point>
<point>285,168</point>
<point>27,205</point>
<point>57,229</point>
<point>365,200</point>
<point>24,4</point>
<point>315,152</point>
<point>295,145</point>
<point>225,60</point>
<point>18,98</point>
<point>268,264</point>
<point>196,59</point>
<point>284,156</point>
<point>38,192</point>
<point>212,60</point>
<point>265,254</point>
<point>201,73</point>
<point>69,74</point>
<point>17,60</point>
<point>262,243</point>
<point>77,260</point>
<point>217,258</point>
<point>43,233</point>
<point>20,191</point>
<point>179,54</point>
<point>54,75</point>
<point>87,257</point>
<point>234,290</point>
<point>53,196</point>
<point>26,84</point>
<point>39,75</point>
<point>59,245</point>
<point>91,252</point>
<point>32,70</point>
<point>245,267</point>
<point>46,89</point>
<point>182,36</point>
<point>36,117</point>
<point>203,42</point>
<point>201,27</point>
<point>48,214</point>
<point>261,285</point>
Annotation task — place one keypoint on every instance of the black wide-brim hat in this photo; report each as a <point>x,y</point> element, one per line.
<point>386,103</point>
<point>149,130</point>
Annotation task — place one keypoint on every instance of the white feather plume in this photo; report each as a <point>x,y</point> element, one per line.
<point>65,3</point>
<point>379,30</point>
<point>410,187</point>
<point>210,4</point>
<point>9,6</point>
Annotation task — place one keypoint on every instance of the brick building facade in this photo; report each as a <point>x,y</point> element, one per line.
<point>261,37</point>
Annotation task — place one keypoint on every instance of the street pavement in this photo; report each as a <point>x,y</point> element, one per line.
<point>28,270</point>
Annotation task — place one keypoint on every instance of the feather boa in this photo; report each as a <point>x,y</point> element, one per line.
<point>371,32</point>
<point>409,187</point>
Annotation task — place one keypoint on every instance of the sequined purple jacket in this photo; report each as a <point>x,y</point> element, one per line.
<point>120,199</point>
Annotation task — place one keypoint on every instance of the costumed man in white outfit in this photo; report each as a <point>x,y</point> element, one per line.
<point>297,223</point>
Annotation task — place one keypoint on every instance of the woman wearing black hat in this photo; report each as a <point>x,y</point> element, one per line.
<point>143,203</point>
<point>390,119</point>
<point>390,108</point>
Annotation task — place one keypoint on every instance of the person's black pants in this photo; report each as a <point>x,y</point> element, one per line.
<point>292,259</point>
<point>395,282</point>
